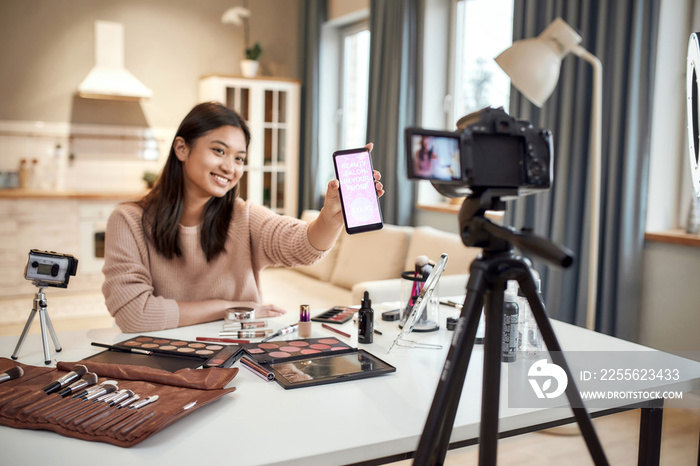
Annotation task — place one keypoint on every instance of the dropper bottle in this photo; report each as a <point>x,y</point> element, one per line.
<point>365,321</point>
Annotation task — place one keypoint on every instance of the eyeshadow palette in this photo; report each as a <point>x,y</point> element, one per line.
<point>176,347</point>
<point>169,354</point>
<point>329,368</point>
<point>336,315</point>
<point>276,351</point>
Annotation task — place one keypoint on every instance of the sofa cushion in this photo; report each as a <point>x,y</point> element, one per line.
<point>431,242</point>
<point>322,269</point>
<point>376,255</point>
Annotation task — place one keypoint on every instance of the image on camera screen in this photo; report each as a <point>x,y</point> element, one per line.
<point>435,157</point>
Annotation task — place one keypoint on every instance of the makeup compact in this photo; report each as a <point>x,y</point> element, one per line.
<point>336,315</point>
<point>167,353</point>
<point>235,314</point>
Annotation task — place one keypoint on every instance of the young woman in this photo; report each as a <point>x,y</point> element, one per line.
<point>191,248</point>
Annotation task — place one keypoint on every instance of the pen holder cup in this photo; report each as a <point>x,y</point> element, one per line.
<point>411,286</point>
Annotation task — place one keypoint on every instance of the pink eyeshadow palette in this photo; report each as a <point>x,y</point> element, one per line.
<point>336,315</point>
<point>278,351</point>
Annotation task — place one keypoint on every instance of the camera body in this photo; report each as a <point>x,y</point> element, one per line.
<point>50,268</point>
<point>490,149</point>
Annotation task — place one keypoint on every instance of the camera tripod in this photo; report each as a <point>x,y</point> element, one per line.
<point>489,274</point>
<point>40,306</point>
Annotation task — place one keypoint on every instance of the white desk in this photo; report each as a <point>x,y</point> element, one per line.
<point>261,423</point>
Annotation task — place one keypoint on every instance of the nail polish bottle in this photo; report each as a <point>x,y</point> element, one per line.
<point>304,329</point>
<point>365,321</point>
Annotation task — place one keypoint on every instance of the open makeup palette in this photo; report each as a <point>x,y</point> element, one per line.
<point>168,354</point>
<point>314,361</point>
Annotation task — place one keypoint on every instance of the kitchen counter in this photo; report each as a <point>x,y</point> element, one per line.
<point>67,194</point>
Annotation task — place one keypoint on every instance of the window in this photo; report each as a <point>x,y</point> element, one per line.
<point>479,31</point>
<point>354,82</point>
<point>483,29</point>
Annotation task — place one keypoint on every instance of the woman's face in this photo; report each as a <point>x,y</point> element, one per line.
<point>213,165</point>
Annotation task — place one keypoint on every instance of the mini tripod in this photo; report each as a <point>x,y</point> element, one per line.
<point>40,306</point>
<point>488,278</point>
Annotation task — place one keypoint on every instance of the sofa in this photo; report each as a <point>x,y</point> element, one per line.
<point>372,262</point>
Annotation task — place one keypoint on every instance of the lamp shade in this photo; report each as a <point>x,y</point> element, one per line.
<point>532,67</point>
<point>533,64</point>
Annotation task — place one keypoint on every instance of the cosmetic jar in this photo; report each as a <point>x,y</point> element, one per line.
<point>239,313</point>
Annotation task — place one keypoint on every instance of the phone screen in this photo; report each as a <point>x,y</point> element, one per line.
<point>358,195</point>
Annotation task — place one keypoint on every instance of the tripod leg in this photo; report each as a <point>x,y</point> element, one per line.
<point>527,284</point>
<point>52,332</point>
<point>44,338</point>
<point>491,383</point>
<point>30,319</point>
<point>435,438</point>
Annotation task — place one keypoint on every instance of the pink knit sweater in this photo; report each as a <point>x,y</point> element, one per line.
<point>142,287</point>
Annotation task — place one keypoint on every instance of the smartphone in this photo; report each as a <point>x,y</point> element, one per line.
<point>358,195</point>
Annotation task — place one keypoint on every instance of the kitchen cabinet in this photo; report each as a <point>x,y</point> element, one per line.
<point>270,107</point>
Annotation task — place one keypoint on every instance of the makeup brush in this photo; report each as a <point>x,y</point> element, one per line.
<point>13,373</point>
<point>88,380</point>
<point>78,371</point>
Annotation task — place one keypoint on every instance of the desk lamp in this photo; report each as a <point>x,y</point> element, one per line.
<point>533,67</point>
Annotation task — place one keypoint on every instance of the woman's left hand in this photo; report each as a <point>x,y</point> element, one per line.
<point>332,206</point>
<point>324,230</point>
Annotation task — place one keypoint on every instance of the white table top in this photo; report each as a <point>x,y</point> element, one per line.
<point>261,423</point>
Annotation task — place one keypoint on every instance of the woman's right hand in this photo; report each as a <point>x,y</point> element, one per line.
<point>261,310</point>
<point>268,310</point>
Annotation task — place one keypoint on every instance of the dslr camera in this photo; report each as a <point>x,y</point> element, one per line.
<point>490,149</point>
<point>48,268</point>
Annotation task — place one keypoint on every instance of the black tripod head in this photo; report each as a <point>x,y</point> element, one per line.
<point>478,231</point>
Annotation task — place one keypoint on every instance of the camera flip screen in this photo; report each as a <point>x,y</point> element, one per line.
<point>435,156</point>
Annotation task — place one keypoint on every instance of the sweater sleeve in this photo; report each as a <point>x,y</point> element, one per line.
<point>128,287</point>
<point>280,240</point>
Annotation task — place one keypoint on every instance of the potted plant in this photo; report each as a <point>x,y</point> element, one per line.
<point>150,178</point>
<point>239,16</point>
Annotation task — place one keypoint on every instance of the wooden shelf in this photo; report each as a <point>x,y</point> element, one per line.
<point>677,236</point>
<point>451,208</point>
<point>84,195</point>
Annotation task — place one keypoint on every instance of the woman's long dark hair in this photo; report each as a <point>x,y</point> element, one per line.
<point>163,206</point>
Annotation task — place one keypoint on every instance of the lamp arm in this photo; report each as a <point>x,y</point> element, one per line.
<point>596,168</point>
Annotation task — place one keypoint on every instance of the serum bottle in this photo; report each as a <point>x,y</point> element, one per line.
<point>304,321</point>
<point>365,321</point>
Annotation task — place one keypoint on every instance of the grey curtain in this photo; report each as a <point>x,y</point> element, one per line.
<point>394,63</point>
<point>313,14</point>
<point>622,34</point>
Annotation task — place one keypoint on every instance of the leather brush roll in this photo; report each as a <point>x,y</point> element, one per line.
<point>133,423</point>
<point>19,403</point>
<point>71,404</point>
<point>28,411</point>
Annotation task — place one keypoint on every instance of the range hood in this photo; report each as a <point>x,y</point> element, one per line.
<point>108,79</point>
